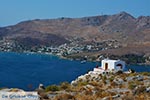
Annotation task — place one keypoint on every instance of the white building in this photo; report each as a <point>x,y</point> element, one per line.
<point>108,65</point>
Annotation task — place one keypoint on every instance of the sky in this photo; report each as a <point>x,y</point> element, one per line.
<point>15,11</point>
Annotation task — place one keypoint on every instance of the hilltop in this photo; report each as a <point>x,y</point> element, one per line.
<point>119,34</point>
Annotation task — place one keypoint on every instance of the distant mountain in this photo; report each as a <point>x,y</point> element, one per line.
<point>123,27</point>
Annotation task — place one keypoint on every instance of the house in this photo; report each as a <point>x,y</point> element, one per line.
<point>111,65</point>
<point>108,65</point>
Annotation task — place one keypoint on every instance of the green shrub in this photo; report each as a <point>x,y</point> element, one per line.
<point>111,78</point>
<point>82,83</point>
<point>52,88</point>
<point>104,77</point>
<point>146,73</point>
<point>131,85</point>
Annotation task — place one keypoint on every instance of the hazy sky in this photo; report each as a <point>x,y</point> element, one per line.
<point>14,11</point>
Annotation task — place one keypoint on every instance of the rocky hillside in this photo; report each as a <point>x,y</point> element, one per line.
<point>119,26</point>
<point>118,86</point>
<point>127,30</point>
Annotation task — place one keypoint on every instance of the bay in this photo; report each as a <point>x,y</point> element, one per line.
<point>27,71</point>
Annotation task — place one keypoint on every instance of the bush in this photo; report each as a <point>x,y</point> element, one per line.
<point>64,85</point>
<point>64,97</point>
<point>94,83</point>
<point>129,97</point>
<point>52,88</point>
<point>104,78</point>
<point>132,86</point>
<point>82,83</point>
<point>146,73</point>
<point>111,78</point>
<point>43,96</point>
<point>119,72</point>
<point>141,90</point>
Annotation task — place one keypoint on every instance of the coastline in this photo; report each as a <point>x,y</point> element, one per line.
<point>117,85</point>
<point>82,57</point>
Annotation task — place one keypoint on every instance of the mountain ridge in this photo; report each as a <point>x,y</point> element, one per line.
<point>122,27</point>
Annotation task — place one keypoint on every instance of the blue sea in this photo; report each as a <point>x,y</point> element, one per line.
<point>27,71</point>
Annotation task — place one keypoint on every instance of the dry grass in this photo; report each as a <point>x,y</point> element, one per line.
<point>85,97</point>
<point>93,90</point>
<point>64,97</point>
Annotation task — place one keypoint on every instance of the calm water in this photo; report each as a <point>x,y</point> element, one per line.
<point>27,71</point>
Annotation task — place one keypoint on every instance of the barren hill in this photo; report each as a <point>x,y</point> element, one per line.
<point>121,27</point>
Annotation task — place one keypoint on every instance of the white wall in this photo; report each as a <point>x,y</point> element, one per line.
<point>112,64</point>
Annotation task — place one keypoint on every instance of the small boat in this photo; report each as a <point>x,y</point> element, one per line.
<point>83,61</point>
